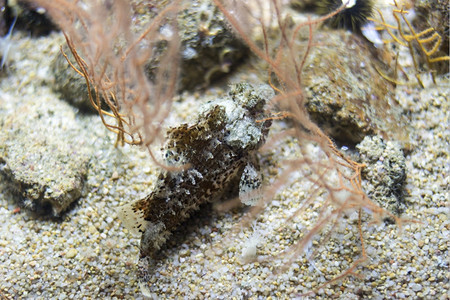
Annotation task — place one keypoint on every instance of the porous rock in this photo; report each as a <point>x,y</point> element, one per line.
<point>384,172</point>
<point>208,47</point>
<point>3,27</point>
<point>434,14</point>
<point>42,154</point>
<point>31,17</point>
<point>345,93</point>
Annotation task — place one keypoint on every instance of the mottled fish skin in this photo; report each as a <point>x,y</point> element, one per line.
<point>212,163</point>
<point>216,149</point>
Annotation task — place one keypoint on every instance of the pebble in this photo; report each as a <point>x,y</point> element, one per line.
<point>416,287</point>
<point>71,253</point>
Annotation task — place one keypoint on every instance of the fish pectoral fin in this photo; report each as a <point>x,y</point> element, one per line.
<point>250,191</point>
<point>132,216</point>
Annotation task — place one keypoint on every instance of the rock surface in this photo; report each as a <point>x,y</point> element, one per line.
<point>30,17</point>
<point>435,14</point>
<point>208,50</point>
<point>208,47</point>
<point>346,95</point>
<point>385,172</point>
<point>42,154</point>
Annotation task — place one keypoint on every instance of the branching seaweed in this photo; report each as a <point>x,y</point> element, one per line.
<point>111,58</point>
<point>404,34</point>
<point>96,99</point>
<point>330,173</point>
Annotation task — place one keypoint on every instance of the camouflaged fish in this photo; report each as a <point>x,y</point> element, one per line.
<point>219,148</point>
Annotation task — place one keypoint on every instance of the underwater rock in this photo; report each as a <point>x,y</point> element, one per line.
<point>384,173</point>
<point>435,14</point>
<point>31,17</point>
<point>3,21</point>
<point>5,38</point>
<point>304,5</point>
<point>216,149</point>
<point>346,95</point>
<point>42,155</point>
<point>208,47</point>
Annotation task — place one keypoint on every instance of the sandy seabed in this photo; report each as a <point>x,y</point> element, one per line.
<point>88,254</point>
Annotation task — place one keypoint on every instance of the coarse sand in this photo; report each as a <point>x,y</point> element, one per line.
<point>88,254</point>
